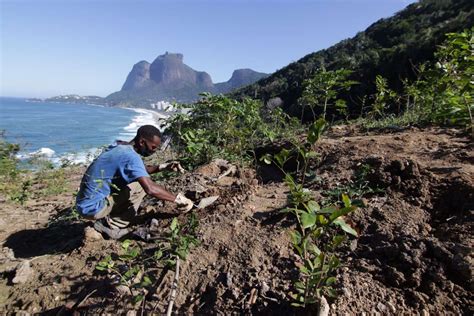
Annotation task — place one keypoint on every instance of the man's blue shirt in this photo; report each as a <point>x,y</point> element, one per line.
<point>118,166</point>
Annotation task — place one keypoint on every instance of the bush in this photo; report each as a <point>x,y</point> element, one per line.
<point>217,126</point>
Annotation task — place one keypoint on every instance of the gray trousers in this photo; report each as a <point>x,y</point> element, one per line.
<point>122,207</point>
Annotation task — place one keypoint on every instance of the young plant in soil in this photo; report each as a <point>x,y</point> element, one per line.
<point>356,188</point>
<point>321,230</point>
<point>136,267</point>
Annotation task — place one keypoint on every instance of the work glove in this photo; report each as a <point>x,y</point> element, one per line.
<point>172,166</point>
<point>184,204</point>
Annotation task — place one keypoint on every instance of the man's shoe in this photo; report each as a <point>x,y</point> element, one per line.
<point>113,233</point>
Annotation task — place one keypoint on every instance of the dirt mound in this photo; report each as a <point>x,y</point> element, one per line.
<point>414,253</point>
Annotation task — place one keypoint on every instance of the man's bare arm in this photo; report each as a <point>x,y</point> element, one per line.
<point>155,190</point>
<point>152,169</point>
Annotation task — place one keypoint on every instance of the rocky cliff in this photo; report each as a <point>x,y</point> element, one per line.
<point>168,78</point>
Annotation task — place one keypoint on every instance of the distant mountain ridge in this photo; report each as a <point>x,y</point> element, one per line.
<point>167,78</point>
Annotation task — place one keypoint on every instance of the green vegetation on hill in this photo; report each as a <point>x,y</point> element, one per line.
<point>390,48</point>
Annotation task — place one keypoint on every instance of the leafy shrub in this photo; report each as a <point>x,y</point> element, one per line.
<point>217,126</point>
<point>456,72</point>
<point>321,230</point>
<point>323,89</point>
<point>135,267</point>
<point>440,94</point>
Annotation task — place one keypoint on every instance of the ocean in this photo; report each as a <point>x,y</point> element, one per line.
<point>71,131</point>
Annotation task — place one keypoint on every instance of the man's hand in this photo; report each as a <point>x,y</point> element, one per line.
<point>172,166</point>
<point>184,204</point>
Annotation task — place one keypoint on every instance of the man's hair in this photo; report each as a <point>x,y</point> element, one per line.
<point>148,132</point>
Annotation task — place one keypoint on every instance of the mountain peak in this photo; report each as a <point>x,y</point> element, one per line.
<point>168,78</point>
<point>169,69</point>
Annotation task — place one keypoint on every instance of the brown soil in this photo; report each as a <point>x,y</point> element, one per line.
<point>413,256</point>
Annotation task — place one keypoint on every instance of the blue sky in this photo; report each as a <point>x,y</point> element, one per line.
<point>88,47</point>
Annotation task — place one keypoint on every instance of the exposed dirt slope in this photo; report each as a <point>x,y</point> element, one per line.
<point>414,253</point>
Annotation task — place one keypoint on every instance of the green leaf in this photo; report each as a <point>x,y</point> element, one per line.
<point>158,254</point>
<point>322,220</point>
<point>315,249</point>
<point>346,200</point>
<point>174,224</point>
<point>100,268</point>
<point>337,240</point>
<point>331,292</point>
<point>313,206</point>
<point>334,262</point>
<point>304,270</point>
<point>146,281</point>
<point>341,212</point>
<point>285,210</point>
<point>299,285</point>
<point>330,280</point>
<point>316,130</point>
<point>295,237</point>
<point>125,244</point>
<point>328,210</point>
<point>311,154</point>
<point>138,298</point>
<point>345,227</point>
<point>317,232</point>
<point>308,220</point>
<point>298,249</point>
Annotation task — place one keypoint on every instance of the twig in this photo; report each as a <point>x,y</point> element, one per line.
<point>71,306</point>
<point>253,297</point>
<point>174,286</point>
<point>85,298</point>
<point>143,305</point>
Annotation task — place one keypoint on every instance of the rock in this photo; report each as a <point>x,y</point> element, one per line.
<point>347,292</point>
<point>381,307</point>
<point>323,307</point>
<point>23,272</point>
<point>8,253</point>
<point>154,224</point>
<point>391,307</point>
<point>122,289</point>
<point>90,234</point>
<point>228,279</point>
<point>264,287</point>
<point>353,245</point>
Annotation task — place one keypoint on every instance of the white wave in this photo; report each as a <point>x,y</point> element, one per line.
<point>83,157</point>
<point>144,117</point>
<point>69,158</point>
<point>43,152</point>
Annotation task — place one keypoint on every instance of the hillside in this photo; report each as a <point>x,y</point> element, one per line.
<point>390,47</point>
<point>167,78</point>
<point>412,256</point>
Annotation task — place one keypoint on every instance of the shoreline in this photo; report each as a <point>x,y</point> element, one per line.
<point>82,154</point>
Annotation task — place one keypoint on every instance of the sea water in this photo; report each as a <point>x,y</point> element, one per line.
<point>71,131</point>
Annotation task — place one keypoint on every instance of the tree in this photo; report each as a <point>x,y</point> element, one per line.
<point>456,79</point>
<point>323,90</point>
